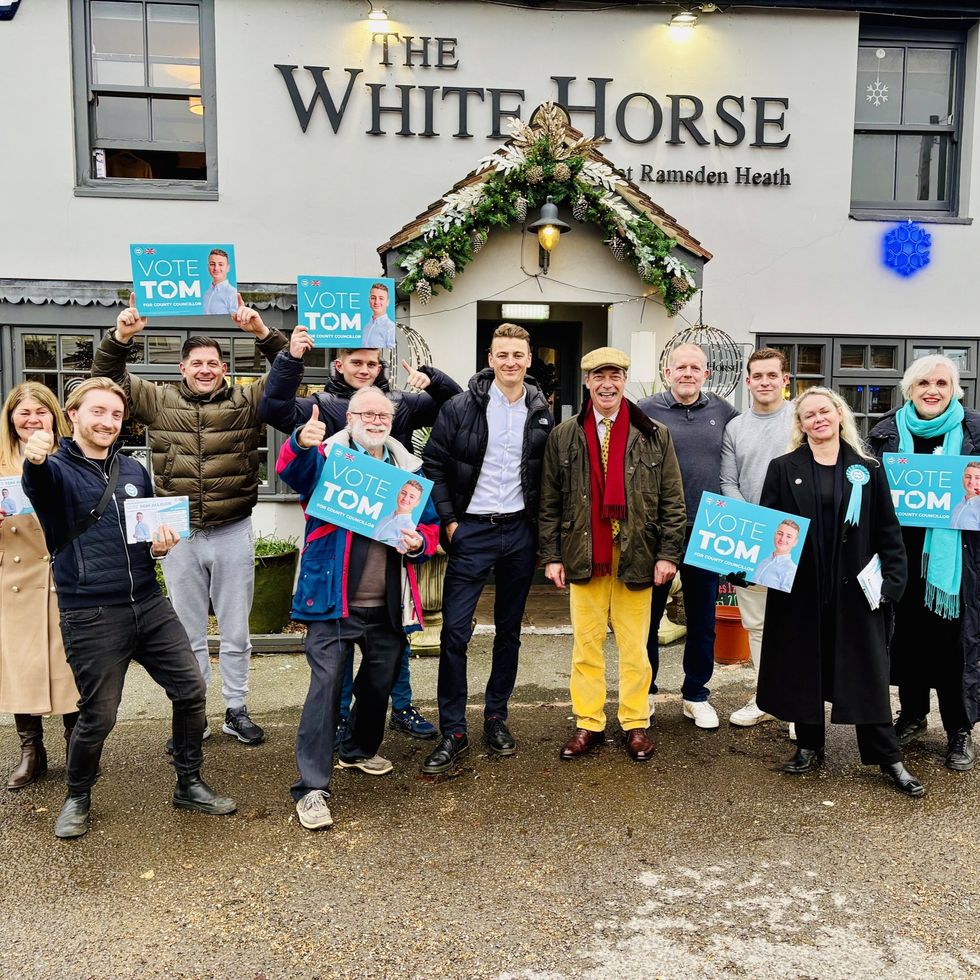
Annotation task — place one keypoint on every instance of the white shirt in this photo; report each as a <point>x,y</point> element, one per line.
<point>498,488</point>
<point>600,422</point>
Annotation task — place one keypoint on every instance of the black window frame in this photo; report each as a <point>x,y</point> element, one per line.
<point>86,143</point>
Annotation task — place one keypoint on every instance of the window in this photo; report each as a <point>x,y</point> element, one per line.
<point>907,121</point>
<point>144,98</point>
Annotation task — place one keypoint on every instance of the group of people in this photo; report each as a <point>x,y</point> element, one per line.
<point>604,502</point>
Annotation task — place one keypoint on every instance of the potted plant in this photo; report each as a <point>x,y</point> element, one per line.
<point>275,572</point>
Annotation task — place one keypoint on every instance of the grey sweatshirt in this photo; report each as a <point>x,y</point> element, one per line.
<point>751,442</point>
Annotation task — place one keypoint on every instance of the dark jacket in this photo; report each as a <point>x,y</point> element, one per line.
<point>203,446</point>
<point>884,439</point>
<point>792,671</point>
<point>697,432</point>
<point>100,567</point>
<point>413,409</point>
<point>454,453</point>
<point>655,516</point>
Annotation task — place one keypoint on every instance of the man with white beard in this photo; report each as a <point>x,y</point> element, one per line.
<point>351,590</point>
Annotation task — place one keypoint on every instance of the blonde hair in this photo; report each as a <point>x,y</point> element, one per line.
<point>848,427</point>
<point>10,458</point>
<point>76,398</point>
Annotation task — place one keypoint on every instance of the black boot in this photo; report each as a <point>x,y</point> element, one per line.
<point>193,793</point>
<point>903,780</point>
<point>73,819</point>
<point>961,756</point>
<point>805,760</point>
<point>33,759</point>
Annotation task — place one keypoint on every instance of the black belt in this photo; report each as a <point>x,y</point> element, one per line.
<point>517,515</point>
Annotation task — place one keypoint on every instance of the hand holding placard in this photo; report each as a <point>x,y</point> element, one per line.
<point>314,432</point>
<point>411,541</point>
<point>299,342</point>
<point>38,446</point>
<point>129,322</point>
<point>164,538</point>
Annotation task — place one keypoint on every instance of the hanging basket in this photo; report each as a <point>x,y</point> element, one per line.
<point>723,354</point>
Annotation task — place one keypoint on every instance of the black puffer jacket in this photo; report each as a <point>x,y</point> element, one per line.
<point>413,409</point>
<point>99,568</point>
<point>453,456</point>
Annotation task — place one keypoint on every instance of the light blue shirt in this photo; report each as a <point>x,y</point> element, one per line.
<point>222,298</point>
<point>966,515</point>
<point>141,532</point>
<point>776,572</point>
<point>498,488</point>
<point>379,333</point>
<point>389,529</point>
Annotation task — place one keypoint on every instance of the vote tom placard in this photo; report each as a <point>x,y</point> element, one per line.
<point>367,496</point>
<point>935,491</point>
<point>345,311</point>
<point>731,535</point>
<point>13,500</point>
<point>184,280</point>
<point>145,515</point>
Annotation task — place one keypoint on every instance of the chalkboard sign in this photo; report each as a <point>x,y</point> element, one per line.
<point>726,594</point>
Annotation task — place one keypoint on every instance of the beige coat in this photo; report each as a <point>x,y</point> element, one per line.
<point>35,678</point>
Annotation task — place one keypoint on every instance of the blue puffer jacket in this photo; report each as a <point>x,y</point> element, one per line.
<point>322,592</point>
<point>99,568</point>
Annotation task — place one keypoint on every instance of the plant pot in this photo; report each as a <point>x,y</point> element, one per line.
<point>731,639</point>
<point>274,576</point>
<point>431,574</point>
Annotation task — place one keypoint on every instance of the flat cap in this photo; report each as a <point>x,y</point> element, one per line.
<point>605,357</point>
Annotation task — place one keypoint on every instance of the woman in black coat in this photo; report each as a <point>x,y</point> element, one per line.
<point>822,641</point>
<point>931,418</point>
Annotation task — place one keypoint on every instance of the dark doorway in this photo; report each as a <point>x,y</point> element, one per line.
<point>556,352</point>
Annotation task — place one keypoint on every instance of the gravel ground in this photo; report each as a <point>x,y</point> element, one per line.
<point>707,862</point>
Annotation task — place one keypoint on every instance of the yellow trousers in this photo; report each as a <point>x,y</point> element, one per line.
<point>594,604</point>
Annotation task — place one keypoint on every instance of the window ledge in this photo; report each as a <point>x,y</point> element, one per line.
<point>277,498</point>
<point>920,217</point>
<point>172,193</point>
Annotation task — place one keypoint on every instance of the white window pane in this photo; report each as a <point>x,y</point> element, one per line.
<point>121,118</point>
<point>175,76</point>
<point>878,98</point>
<point>873,169</point>
<point>117,43</point>
<point>173,36</point>
<point>174,121</point>
<point>929,86</point>
<point>922,167</point>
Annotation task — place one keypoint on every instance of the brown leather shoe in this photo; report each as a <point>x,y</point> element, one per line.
<point>639,744</point>
<point>581,743</point>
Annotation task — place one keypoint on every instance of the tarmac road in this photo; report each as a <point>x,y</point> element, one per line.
<point>706,862</point>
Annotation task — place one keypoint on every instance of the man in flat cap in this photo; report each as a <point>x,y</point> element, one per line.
<point>611,526</point>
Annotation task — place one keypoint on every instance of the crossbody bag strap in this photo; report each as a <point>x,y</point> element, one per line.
<point>90,519</point>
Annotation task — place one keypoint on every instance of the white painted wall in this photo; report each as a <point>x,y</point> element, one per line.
<point>787,259</point>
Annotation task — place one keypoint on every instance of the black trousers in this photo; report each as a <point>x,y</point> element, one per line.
<point>329,645</point>
<point>100,644</point>
<point>877,744</point>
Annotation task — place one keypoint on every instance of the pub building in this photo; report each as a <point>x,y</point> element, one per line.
<point>800,175</point>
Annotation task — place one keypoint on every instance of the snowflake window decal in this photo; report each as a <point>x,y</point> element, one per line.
<point>877,90</point>
<point>905,248</point>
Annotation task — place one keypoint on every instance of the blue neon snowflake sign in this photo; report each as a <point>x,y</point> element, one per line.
<point>905,248</point>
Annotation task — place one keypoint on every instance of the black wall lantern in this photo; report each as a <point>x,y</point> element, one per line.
<point>549,228</point>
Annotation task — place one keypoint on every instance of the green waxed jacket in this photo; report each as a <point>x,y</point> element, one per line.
<point>655,513</point>
<point>204,446</point>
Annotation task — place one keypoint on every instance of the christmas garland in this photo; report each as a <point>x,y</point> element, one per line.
<point>534,165</point>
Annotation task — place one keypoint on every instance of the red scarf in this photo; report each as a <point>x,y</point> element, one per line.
<point>608,489</point>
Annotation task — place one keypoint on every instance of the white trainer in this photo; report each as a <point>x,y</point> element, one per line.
<point>701,713</point>
<point>749,715</point>
<point>375,766</point>
<point>792,731</point>
<point>313,812</point>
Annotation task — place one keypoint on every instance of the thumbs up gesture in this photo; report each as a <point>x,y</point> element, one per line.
<point>314,432</point>
<point>38,446</point>
<point>416,380</point>
<point>249,320</point>
<point>129,322</point>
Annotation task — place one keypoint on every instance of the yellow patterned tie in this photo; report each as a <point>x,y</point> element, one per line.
<point>607,431</point>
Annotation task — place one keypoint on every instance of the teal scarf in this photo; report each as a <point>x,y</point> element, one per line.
<point>942,553</point>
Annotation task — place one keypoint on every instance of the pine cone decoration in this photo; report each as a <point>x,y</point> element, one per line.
<point>580,207</point>
<point>423,290</point>
<point>521,205</point>
<point>448,266</point>
<point>479,239</point>
<point>535,174</point>
<point>680,284</point>
<point>562,171</point>
<point>617,248</point>
<point>432,268</point>
<point>643,270</point>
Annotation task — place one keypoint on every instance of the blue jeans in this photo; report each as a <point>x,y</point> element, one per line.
<point>100,642</point>
<point>401,693</point>
<point>700,593</point>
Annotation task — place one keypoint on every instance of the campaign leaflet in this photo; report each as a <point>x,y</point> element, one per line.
<point>145,514</point>
<point>342,311</point>
<point>365,495</point>
<point>184,280</point>
<point>935,491</point>
<point>13,500</point>
<point>731,535</point>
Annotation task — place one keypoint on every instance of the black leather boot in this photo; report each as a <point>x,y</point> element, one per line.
<point>805,760</point>
<point>73,819</point>
<point>193,793</point>
<point>33,759</point>
<point>903,780</point>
